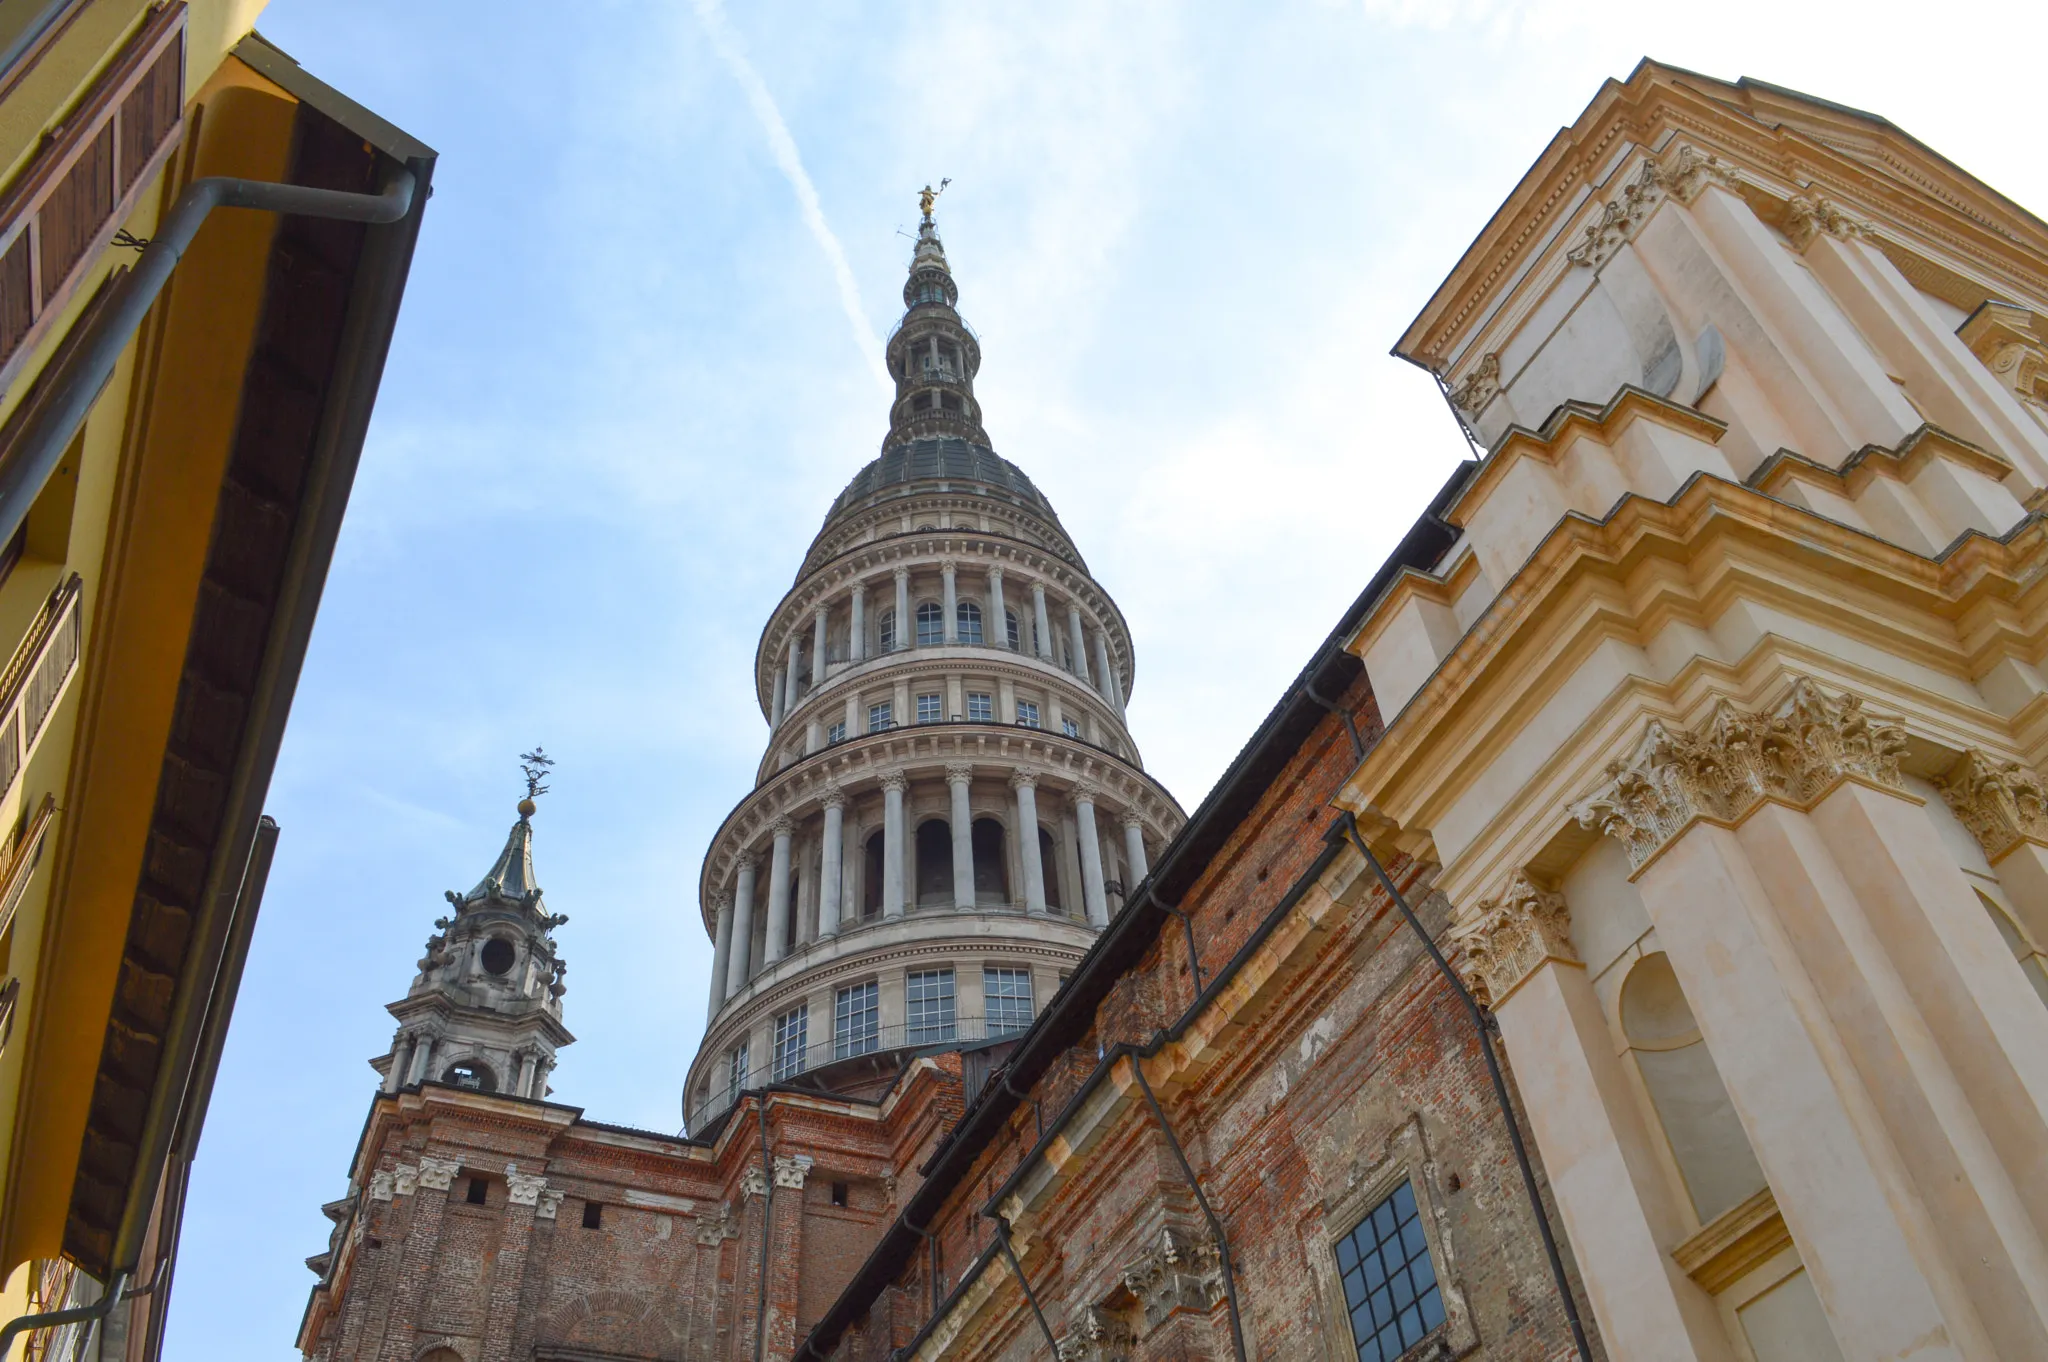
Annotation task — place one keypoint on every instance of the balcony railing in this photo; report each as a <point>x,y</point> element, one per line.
<point>36,677</point>
<point>60,212</point>
<point>879,1040</point>
<point>840,655</point>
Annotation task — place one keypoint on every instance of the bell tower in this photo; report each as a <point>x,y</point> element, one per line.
<point>485,1009</point>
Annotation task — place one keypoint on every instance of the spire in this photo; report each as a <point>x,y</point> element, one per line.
<point>932,355</point>
<point>511,875</point>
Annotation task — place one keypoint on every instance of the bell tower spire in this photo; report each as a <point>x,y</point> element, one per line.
<point>485,1009</point>
<point>932,355</point>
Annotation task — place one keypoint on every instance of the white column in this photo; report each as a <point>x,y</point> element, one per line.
<point>721,955</point>
<point>741,967</point>
<point>401,1060</point>
<point>422,1058</point>
<point>1041,634</point>
<point>998,612</point>
<point>1093,891</point>
<point>893,786</point>
<point>1025,784</point>
<point>958,779</point>
<point>829,870</point>
<point>796,652</point>
<point>904,623</point>
<point>775,698</point>
<point>778,893</point>
<point>950,600</point>
<point>1134,852</point>
<point>528,1067</point>
<point>818,647</point>
<point>857,639</point>
<point>1105,675</point>
<point>1080,643</point>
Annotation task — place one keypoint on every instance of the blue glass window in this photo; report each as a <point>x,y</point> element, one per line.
<point>1389,1282</point>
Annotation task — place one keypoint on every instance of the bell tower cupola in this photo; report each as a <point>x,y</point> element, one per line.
<point>485,1009</point>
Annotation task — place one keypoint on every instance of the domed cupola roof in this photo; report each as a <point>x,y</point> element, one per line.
<point>940,459</point>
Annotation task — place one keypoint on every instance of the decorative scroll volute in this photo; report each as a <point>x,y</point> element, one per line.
<point>1508,937</point>
<point>1734,762</point>
<point>2001,803</point>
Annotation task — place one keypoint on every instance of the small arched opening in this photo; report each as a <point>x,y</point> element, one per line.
<point>934,863</point>
<point>931,625</point>
<point>970,621</point>
<point>1049,864</point>
<point>991,874</point>
<point>871,878</point>
<point>1011,632</point>
<point>885,627</point>
<point>469,1073</point>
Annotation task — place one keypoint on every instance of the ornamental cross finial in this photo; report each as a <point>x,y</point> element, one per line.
<point>928,196</point>
<point>535,765</point>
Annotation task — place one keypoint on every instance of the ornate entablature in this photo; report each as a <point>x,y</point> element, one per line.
<point>1736,761</point>
<point>1506,938</point>
<point>2002,803</point>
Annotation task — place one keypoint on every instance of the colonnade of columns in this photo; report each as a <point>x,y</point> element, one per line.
<point>1090,664</point>
<point>735,960</point>
<point>412,1061</point>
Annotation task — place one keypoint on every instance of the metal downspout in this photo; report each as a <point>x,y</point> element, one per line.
<point>76,386</point>
<point>1483,1023</point>
<point>1215,1225</point>
<point>78,1314</point>
<point>1003,1238</point>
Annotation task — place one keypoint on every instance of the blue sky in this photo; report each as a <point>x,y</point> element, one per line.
<point>638,359</point>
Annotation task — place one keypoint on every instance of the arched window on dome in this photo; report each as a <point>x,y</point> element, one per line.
<point>886,625</point>
<point>970,622</point>
<point>1012,632</point>
<point>871,878</point>
<point>991,870</point>
<point>934,864</point>
<point>931,625</point>
<point>1051,864</point>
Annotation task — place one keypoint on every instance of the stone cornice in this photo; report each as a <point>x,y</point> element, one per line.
<point>2002,803</point>
<point>1779,142</point>
<point>1737,761</point>
<point>1506,938</point>
<point>1649,564</point>
<point>1924,446</point>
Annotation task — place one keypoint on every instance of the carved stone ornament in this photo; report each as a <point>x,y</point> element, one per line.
<point>1023,780</point>
<point>782,827</point>
<point>1807,217</point>
<point>711,1229</point>
<point>1479,387</point>
<point>1097,1335</point>
<point>1692,170</point>
<point>896,781</point>
<point>2001,803</point>
<point>754,1182</point>
<point>1178,1274</point>
<point>833,798</point>
<point>1618,221</point>
<point>524,1189</point>
<point>1735,761</point>
<point>380,1186</point>
<point>437,1174</point>
<point>960,773</point>
<point>1508,937</point>
<point>404,1179</point>
<point>1084,792</point>
<point>550,1203</point>
<point>792,1172</point>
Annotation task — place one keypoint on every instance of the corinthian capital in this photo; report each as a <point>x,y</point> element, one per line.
<point>1692,170</point>
<point>1479,387</point>
<point>437,1174</point>
<point>1023,780</point>
<point>524,1189</point>
<point>960,773</point>
<point>1809,217</point>
<point>2001,803</point>
<point>896,781</point>
<point>1507,937</point>
<point>792,1172</point>
<point>1727,767</point>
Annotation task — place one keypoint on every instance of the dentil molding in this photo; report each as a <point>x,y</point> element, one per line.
<point>1736,761</point>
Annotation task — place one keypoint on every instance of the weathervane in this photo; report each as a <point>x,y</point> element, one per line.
<point>928,196</point>
<point>535,765</point>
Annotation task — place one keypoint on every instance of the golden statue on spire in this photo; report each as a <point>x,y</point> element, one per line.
<point>928,196</point>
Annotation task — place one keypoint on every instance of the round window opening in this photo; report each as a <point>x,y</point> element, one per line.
<point>498,955</point>
<point>471,1075</point>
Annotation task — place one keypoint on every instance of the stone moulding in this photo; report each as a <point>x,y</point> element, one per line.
<point>2002,803</point>
<point>1737,761</point>
<point>1508,937</point>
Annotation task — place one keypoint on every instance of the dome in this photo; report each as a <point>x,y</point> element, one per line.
<point>940,460</point>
